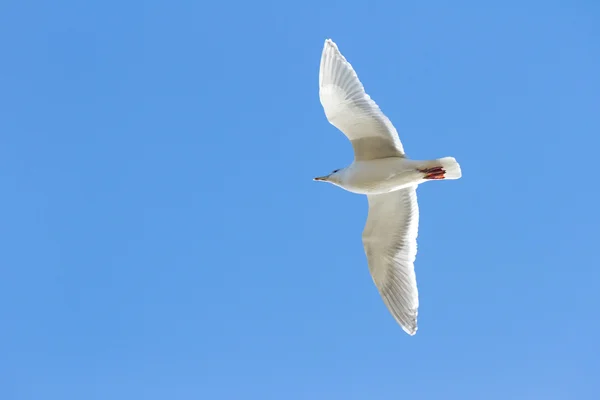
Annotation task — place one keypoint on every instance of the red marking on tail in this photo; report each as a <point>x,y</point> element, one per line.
<point>433,173</point>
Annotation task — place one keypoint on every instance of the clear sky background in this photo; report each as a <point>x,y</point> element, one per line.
<point>162,237</point>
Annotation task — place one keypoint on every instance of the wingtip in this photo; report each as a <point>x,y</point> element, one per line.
<point>330,43</point>
<point>412,331</point>
<point>410,327</point>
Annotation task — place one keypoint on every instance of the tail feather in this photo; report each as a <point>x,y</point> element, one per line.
<point>442,168</point>
<point>451,166</point>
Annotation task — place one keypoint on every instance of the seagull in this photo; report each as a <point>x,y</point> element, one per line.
<point>382,171</point>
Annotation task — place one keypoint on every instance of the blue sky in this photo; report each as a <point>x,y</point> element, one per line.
<point>162,237</point>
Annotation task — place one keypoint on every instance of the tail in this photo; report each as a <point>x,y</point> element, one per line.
<point>442,168</point>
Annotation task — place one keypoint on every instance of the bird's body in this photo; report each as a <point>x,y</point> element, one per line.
<point>382,175</point>
<point>381,171</point>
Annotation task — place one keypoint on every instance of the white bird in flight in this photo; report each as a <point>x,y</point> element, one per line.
<point>382,171</point>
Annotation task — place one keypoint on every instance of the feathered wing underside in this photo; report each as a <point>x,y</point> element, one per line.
<point>352,111</point>
<point>390,241</point>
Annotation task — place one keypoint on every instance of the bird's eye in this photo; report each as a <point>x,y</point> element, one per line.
<point>335,171</point>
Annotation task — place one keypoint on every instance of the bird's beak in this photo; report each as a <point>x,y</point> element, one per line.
<point>320,178</point>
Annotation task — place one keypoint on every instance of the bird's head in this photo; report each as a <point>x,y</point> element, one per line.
<point>333,177</point>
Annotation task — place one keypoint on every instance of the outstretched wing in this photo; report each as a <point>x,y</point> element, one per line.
<point>352,111</point>
<point>390,241</point>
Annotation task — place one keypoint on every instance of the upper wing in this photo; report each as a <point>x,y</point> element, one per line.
<point>352,111</point>
<point>390,240</point>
